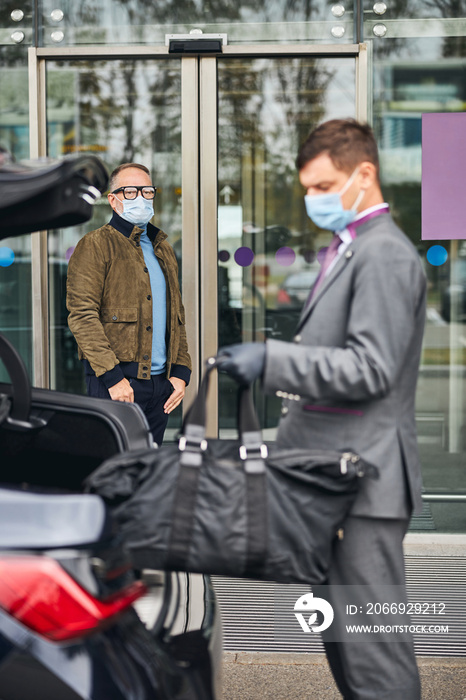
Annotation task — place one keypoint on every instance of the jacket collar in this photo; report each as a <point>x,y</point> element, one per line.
<point>127,229</point>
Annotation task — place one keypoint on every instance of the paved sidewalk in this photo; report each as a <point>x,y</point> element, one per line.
<point>275,676</point>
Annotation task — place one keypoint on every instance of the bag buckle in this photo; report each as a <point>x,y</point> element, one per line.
<point>192,442</point>
<point>347,458</point>
<point>254,452</point>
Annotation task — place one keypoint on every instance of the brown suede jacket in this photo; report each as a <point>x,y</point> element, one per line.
<point>109,300</point>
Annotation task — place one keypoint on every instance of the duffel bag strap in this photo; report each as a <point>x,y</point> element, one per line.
<point>192,444</point>
<point>184,504</point>
<point>253,451</point>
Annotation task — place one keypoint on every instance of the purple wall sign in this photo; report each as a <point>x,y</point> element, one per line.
<point>443,176</point>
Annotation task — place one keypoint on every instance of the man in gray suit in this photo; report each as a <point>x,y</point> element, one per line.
<point>350,375</point>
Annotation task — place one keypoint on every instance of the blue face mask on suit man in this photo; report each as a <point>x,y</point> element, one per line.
<point>326,210</point>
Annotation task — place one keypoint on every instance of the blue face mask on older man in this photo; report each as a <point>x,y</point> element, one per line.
<point>137,211</point>
<point>326,210</point>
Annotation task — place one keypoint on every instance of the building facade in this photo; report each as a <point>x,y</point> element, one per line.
<point>216,97</point>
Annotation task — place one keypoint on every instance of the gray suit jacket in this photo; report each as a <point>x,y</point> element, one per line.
<point>354,363</point>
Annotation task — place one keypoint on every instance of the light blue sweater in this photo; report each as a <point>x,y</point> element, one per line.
<point>159,305</point>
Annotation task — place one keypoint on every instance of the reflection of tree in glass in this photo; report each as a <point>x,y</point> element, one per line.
<point>131,101</point>
<point>87,14</point>
<point>84,13</point>
<point>302,85</point>
<point>452,45</point>
<point>124,110</point>
<point>419,10</point>
<point>98,108</point>
<point>176,12</point>
<point>266,109</point>
<point>215,11</point>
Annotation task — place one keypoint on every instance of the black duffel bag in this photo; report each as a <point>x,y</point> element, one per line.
<point>226,507</point>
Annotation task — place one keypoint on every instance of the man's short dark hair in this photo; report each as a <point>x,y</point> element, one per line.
<point>347,142</point>
<point>125,166</point>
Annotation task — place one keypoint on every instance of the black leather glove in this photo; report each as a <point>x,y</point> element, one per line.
<point>244,362</point>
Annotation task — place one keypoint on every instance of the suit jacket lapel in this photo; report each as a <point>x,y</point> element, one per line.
<point>362,230</point>
<point>338,268</point>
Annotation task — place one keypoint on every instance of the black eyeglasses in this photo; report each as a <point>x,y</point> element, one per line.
<point>131,192</point>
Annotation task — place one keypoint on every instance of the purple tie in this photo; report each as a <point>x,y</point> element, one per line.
<point>330,255</point>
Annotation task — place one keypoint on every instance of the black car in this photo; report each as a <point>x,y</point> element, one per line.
<point>75,620</point>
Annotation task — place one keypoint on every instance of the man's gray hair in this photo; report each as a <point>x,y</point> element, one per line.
<point>124,166</point>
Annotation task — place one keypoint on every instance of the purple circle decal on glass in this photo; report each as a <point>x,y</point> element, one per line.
<point>321,255</point>
<point>285,256</point>
<point>244,256</point>
<point>223,255</point>
<point>309,255</point>
<point>69,252</point>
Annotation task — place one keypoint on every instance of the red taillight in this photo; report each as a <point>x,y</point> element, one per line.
<point>40,594</point>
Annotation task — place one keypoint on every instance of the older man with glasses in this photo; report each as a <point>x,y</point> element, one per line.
<point>125,308</point>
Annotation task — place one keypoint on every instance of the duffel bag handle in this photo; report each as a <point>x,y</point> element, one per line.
<point>192,440</point>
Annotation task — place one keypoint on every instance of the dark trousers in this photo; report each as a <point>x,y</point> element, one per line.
<point>369,558</point>
<point>150,394</point>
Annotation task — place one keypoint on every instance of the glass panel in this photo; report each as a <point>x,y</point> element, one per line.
<point>414,76</point>
<point>122,111</point>
<point>413,9</point>
<point>14,103</point>
<point>15,253</point>
<point>16,297</point>
<point>147,22</point>
<point>443,21</point>
<point>266,243</point>
<point>16,24</point>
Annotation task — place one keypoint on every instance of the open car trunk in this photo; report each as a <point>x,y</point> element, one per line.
<point>69,437</point>
<point>53,439</point>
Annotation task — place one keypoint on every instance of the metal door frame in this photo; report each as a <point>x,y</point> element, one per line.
<point>199,182</point>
